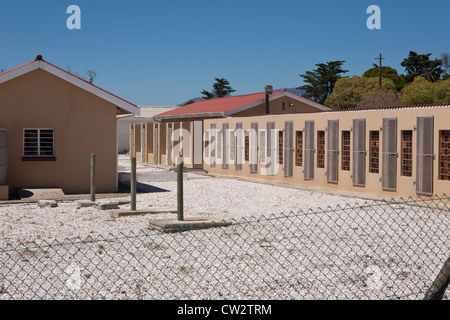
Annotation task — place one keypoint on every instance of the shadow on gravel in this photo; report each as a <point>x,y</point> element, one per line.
<point>124,187</point>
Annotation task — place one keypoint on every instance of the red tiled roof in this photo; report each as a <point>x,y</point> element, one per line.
<point>218,104</point>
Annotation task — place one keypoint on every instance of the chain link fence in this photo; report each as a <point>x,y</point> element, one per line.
<point>374,250</point>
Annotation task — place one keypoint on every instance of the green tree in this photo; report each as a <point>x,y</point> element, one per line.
<point>348,92</point>
<point>190,101</point>
<point>221,88</point>
<point>379,99</point>
<point>445,58</point>
<point>422,91</point>
<point>321,81</point>
<point>420,65</point>
<point>389,73</point>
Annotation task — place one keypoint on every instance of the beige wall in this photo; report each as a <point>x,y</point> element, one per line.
<point>407,119</point>
<point>276,107</point>
<point>83,124</point>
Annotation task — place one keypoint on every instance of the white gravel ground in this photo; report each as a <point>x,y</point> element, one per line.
<point>270,252</point>
<point>221,198</point>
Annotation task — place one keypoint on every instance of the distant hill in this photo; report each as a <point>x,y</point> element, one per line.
<point>293,90</point>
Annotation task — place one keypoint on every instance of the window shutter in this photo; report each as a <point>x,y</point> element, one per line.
<point>239,146</point>
<point>198,142</point>
<point>288,149</point>
<point>232,142</point>
<point>226,147</point>
<point>390,154</point>
<point>359,152</point>
<point>212,145</point>
<point>143,143</point>
<point>169,146</point>
<point>254,148</point>
<point>333,151</point>
<point>425,155</point>
<point>155,144</point>
<point>309,150</point>
<point>271,155</point>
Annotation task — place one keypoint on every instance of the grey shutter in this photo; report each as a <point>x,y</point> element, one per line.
<point>333,151</point>
<point>155,144</point>
<point>212,145</point>
<point>288,149</point>
<point>254,148</point>
<point>390,154</point>
<point>169,146</point>
<point>239,146</point>
<point>232,142</point>
<point>198,142</point>
<point>271,154</point>
<point>359,152</point>
<point>425,155</point>
<point>309,150</point>
<point>143,143</point>
<point>226,147</point>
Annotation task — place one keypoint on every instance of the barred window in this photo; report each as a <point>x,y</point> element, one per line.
<point>407,160</point>
<point>38,143</point>
<point>374,152</point>
<point>320,149</point>
<point>299,149</point>
<point>247,147</point>
<point>280,147</point>
<point>346,150</point>
<point>444,154</point>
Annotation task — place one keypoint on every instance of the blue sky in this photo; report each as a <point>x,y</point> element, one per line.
<point>165,52</point>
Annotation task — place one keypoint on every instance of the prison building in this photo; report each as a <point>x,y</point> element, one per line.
<point>182,129</point>
<point>395,151</point>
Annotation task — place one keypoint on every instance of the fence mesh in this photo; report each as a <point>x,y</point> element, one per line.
<point>374,250</point>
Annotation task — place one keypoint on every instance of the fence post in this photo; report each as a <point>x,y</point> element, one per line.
<point>93,177</point>
<point>133,184</point>
<point>440,284</point>
<point>180,188</point>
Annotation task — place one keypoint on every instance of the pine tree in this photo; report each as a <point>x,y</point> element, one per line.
<point>221,88</point>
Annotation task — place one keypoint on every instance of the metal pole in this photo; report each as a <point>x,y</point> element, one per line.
<point>180,188</point>
<point>380,70</point>
<point>93,177</point>
<point>133,184</point>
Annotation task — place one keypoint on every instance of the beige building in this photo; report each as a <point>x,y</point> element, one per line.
<point>53,121</point>
<point>181,130</point>
<point>146,114</point>
<point>394,152</point>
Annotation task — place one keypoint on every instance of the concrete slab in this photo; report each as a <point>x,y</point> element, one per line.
<point>127,213</point>
<point>85,203</point>
<point>107,205</point>
<point>173,225</point>
<point>36,194</point>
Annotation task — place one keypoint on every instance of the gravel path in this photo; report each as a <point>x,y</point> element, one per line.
<point>221,198</point>
<point>271,251</point>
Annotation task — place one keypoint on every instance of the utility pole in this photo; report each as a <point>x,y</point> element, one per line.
<point>379,66</point>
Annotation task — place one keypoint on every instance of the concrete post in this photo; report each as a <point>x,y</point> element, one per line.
<point>133,184</point>
<point>180,188</point>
